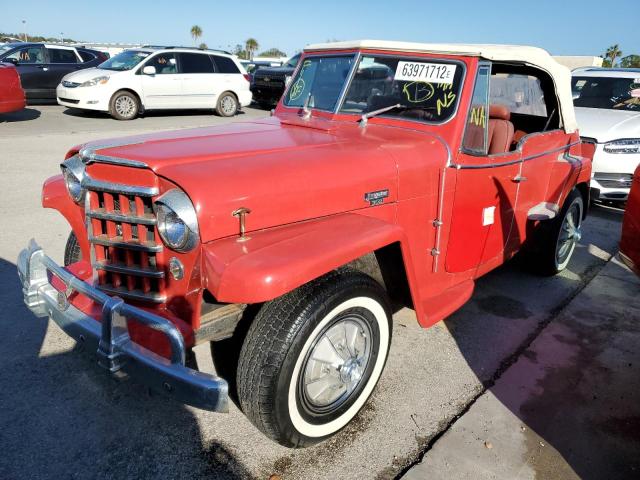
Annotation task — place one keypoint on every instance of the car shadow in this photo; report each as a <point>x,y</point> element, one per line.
<point>553,399</point>
<point>23,115</point>
<point>62,416</point>
<point>76,112</point>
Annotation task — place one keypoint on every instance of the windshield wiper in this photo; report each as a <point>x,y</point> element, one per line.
<point>365,117</point>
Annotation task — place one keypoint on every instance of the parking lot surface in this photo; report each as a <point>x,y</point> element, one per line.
<point>62,417</point>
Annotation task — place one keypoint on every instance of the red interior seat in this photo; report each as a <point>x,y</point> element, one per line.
<point>500,129</point>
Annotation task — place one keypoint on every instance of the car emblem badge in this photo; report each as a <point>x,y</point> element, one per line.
<point>377,197</point>
<point>266,79</point>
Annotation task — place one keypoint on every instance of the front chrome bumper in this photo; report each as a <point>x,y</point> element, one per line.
<point>110,338</point>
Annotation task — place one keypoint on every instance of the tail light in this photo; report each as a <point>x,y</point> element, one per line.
<point>247,77</point>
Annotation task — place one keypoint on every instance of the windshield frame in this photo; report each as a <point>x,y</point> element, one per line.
<point>411,57</point>
<point>358,54</point>
<point>142,60</point>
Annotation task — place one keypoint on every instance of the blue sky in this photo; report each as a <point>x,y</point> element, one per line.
<point>564,27</point>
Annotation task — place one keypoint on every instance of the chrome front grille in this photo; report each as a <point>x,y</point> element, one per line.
<point>127,253</point>
<point>614,180</point>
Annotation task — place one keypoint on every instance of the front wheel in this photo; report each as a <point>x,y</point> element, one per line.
<point>124,105</point>
<point>312,357</point>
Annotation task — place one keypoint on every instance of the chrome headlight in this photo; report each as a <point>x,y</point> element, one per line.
<point>73,172</point>
<point>177,221</point>
<point>630,145</point>
<point>95,81</point>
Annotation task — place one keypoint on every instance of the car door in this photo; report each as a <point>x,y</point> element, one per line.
<point>162,89</point>
<point>200,83</point>
<point>486,191</point>
<point>30,63</point>
<point>228,76</point>
<point>60,61</point>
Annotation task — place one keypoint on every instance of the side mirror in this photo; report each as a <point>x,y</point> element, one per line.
<point>149,70</point>
<point>11,60</point>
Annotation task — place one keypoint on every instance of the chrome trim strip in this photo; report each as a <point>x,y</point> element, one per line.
<point>127,270</point>
<point>110,339</point>
<point>89,155</point>
<point>89,183</point>
<point>137,295</point>
<point>119,243</point>
<point>459,166</point>
<point>438,222</point>
<point>117,217</point>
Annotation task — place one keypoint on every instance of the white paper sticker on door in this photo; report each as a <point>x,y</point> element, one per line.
<point>488,216</point>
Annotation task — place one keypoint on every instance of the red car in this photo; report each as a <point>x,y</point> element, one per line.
<point>630,242</point>
<point>11,93</point>
<point>390,174</point>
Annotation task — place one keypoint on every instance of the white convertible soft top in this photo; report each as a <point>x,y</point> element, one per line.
<point>534,56</point>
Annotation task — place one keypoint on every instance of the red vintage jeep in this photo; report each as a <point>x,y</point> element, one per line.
<point>391,174</point>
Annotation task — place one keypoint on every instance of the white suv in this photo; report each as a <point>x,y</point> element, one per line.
<point>607,102</point>
<point>159,78</point>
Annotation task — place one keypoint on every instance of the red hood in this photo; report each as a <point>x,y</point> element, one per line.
<point>283,172</point>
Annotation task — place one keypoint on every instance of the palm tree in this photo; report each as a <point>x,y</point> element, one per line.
<point>196,33</point>
<point>612,53</point>
<point>251,45</point>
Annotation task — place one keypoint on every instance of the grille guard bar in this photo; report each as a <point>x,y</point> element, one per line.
<point>115,349</point>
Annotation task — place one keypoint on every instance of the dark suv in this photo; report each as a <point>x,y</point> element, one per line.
<point>268,83</point>
<point>41,66</point>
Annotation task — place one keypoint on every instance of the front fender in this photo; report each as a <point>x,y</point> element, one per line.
<point>273,262</point>
<point>55,195</point>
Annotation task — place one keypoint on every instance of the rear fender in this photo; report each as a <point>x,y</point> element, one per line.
<point>273,262</point>
<point>55,196</point>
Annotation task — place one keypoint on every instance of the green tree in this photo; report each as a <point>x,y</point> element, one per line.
<point>612,53</point>
<point>203,46</point>
<point>630,61</point>
<point>196,33</point>
<point>273,52</point>
<point>251,45</point>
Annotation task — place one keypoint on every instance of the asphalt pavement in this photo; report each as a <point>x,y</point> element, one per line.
<point>62,417</point>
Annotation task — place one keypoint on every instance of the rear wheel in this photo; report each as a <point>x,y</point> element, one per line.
<point>312,357</point>
<point>124,105</point>
<point>557,238</point>
<point>72,252</point>
<point>227,105</point>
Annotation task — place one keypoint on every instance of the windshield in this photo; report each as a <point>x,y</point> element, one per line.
<point>6,48</point>
<point>319,82</point>
<point>606,92</point>
<point>125,60</point>
<point>426,90</point>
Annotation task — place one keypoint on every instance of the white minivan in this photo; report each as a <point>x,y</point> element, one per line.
<point>159,78</point>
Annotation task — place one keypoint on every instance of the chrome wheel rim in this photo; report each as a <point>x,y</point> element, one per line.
<point>336,364</point>
<point>228,105</point>
<point>569,236</point>
<point>125,106</point>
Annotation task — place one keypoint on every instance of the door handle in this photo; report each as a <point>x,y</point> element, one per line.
<point>519,179</point>
<point>41,67</point>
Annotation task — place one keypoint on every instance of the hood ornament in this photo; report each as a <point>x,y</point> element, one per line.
<point>241,213</point>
